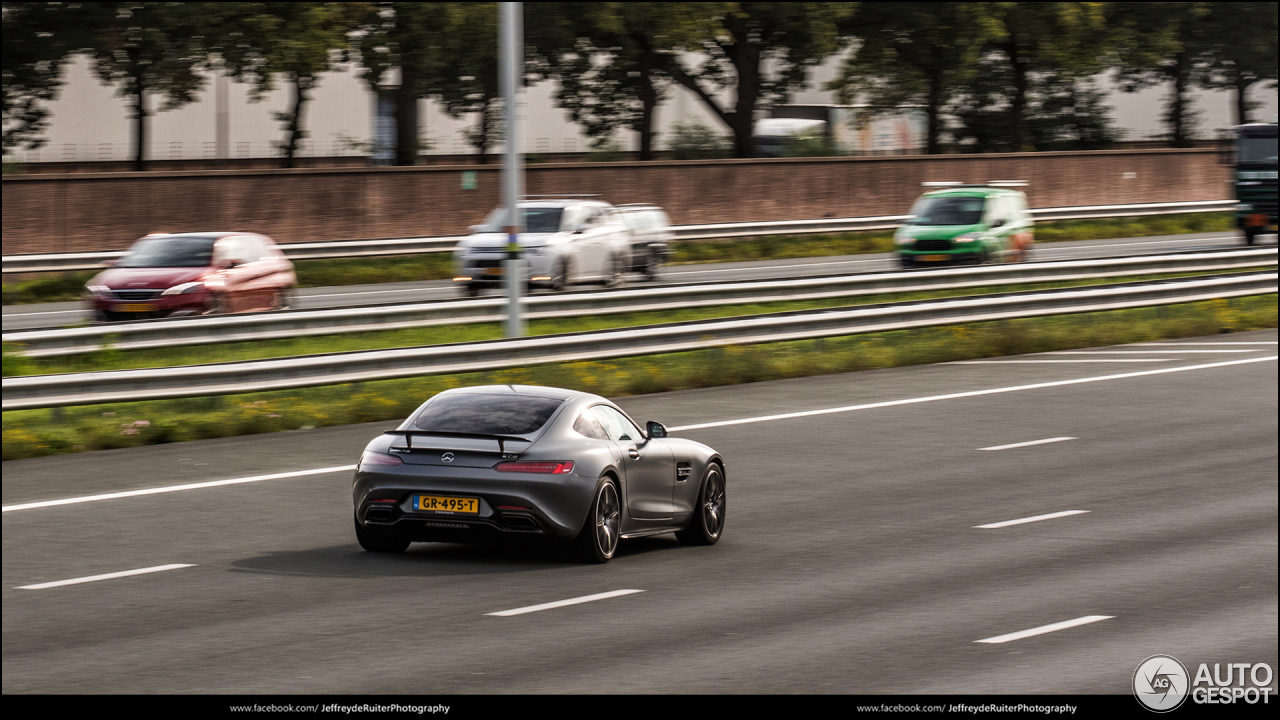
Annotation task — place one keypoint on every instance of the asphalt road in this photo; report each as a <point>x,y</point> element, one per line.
<point>851,561</point>
<point>21,317</point>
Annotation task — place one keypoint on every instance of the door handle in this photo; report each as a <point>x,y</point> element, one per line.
<point>634,453</point>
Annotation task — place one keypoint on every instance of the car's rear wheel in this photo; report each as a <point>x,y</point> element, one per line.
<point>598,540</point>
<point>652,267</point>
<point>612,271</point>
<point>560,280</point>
<point>708,520</point>
<point>379,540</point>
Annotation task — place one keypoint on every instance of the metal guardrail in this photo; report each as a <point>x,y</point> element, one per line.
<point>44,391</point>
<point>414,246</point>
<point>301,323</point>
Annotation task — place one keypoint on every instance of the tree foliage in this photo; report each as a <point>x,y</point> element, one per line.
<point>39,38</point>
<point>1241,50</point>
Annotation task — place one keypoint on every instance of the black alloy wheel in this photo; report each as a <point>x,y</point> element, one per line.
<point>378,540</point>
<point>708,521</point>
<point>598,540</point>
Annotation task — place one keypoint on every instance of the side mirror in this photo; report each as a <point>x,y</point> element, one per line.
<point>655,429</point>
<point>473,229</point>
<point>577,229</point>
<point>110,262</point>
<point>224,264</point>
<point>997,223</point>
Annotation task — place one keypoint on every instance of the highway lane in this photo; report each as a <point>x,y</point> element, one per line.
<point>19,317</point>
<point>851,561</point>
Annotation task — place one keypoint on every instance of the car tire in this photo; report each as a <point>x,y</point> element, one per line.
<point>217,305</point>
<point>282,299</point>
<point>707,524</point>
<point>652,267</point>
<point>598,540</point>
<point>561,279</point>
<point>378,540</point>
<point>612,272</point>
<point>471,290</point>
<point>1250,236</point>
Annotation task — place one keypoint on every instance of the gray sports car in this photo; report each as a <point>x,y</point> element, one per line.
<point>520,462</point>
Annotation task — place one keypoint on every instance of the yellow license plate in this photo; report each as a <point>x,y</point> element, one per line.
<point>451,505</point>
<point>933,258</point>
<point>493,271</point>
<point>135,307</point>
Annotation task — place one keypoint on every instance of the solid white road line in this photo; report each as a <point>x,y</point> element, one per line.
<point>175,488</point>
<point>972,393</point>
<point>1145,352</point>
<point>1193,344</point>
<point>1028,443</point>
<point>563,603</point>
<point>1034,518</point>
<point>1034,362</point>
<point>108,576</point>
<point>1045,629</point>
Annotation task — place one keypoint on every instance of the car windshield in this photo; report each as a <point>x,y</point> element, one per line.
<point>169,252</point>
<point>948,211</point>
<point>482,414</point>
<point>1257,149</point>
<point>536,220</point>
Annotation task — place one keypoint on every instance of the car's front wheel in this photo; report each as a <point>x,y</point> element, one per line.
<point>379,540</point>
<point>598,540</point>
<point>652,267</point>
<point>561,279</point>
<point>612,271</point>
<point>708,520</point>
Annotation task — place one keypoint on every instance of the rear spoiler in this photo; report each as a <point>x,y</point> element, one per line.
<point>502,439</point>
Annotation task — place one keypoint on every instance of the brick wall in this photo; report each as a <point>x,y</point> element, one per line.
<point>107,211</point>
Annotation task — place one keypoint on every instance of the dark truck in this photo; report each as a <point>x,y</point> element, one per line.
<point>1255,163</point>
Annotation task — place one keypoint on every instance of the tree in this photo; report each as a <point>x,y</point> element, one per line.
<point>465,78</point>
<point>913,54</point>
<point>763,51</point>
<point>299,40</point>
<point>1164,42</point>
<point>39,39</point>
<point>1241,40</point>
<point>408,36</point>
<point>151,47</point>
<point>608,59</point>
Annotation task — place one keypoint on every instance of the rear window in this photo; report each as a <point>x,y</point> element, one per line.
<point>481,414</point>
<point>169,252</point>
<point>948,211</point>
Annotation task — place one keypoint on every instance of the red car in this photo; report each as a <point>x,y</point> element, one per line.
<point>172,275</point>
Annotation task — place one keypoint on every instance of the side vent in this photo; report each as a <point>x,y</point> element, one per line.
<point>682,471</point>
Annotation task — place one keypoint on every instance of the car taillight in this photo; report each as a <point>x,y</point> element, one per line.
<point>549,468</point>
<point>373,458</point>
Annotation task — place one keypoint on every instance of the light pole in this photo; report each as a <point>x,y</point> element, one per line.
<point>510,61</point>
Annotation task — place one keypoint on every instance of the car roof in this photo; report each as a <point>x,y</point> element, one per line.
<point>971,192</point>
<point>536,390</point>
<point>561,203</point>
<point>209,235</point>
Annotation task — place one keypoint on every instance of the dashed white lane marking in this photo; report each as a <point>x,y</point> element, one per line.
<point>563,603</point>
<point>1143,351</point>
<point>972,393</point>
<point>108,576</point>
<point>1028,443</point>
<point>1034,518</point>
<point>1045,629</point>
<point>175,488</point>
<point>1033,362</point>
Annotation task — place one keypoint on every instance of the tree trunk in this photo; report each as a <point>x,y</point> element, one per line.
<point>933,109</point>
<point>140,129</point>
<point>1242,104</point>
<point>746,61</point>
<point>1178,103</point>
<point>482,136</point>
<point>1019,101</point>
<point>301,87</point>
<point>648,103</point>
<point>407,118</point>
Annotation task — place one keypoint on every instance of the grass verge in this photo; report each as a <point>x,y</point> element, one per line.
<point>114,359</point>
<point>35,433</point>
<point>61,287</point>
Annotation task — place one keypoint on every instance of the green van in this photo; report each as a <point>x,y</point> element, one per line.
<point>966,225</point>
